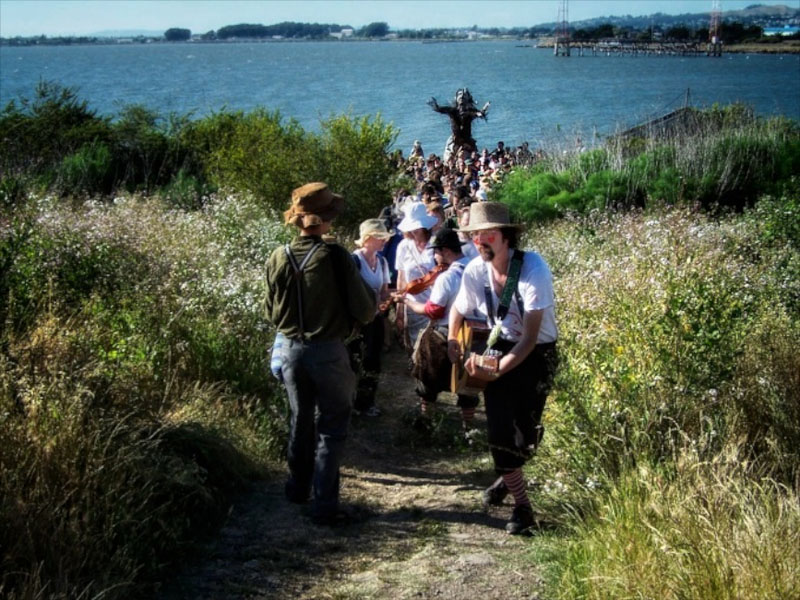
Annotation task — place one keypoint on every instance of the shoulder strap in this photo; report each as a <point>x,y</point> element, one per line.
<point>298,272</point>
<point>510,290</point>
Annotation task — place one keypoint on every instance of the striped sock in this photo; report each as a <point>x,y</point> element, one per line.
<point>424,408</point>
<point>467,414</point>
<point>516,485</point>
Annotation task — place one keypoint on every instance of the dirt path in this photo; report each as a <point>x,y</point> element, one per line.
<point>419,532</point>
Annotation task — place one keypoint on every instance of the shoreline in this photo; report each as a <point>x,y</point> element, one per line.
<point>783,47</point>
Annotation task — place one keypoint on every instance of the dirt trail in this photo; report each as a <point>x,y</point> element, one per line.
<point>419,531</point>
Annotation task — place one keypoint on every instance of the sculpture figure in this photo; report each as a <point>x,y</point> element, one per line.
<point>461,114</point>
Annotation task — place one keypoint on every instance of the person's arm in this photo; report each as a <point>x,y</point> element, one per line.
<point>361,300</point>
<point>455,320</point>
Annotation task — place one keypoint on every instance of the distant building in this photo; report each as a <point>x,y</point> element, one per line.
<point>782,31</point>
<point>344,33</point>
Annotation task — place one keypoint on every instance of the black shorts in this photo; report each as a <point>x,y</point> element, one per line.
<point>514,406</point>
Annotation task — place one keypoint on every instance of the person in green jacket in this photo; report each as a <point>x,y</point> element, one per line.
<point>314,297</point>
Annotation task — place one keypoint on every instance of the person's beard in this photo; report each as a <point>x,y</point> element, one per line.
<point>486,252</point>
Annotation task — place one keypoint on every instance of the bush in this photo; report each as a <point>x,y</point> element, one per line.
<point>262,155</point>
<point>38,134</point>
<point>87,172</point>
<point>728,160</point>
<point>355,162</point>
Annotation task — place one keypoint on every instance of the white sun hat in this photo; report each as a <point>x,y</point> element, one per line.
<point>416,217</point>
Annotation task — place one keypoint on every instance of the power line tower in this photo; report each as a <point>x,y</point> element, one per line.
<point>561,47</point>
<point>714,40</point>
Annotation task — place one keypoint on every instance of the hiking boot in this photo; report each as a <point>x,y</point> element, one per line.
<point>495,493</point>
<point>521,519</point>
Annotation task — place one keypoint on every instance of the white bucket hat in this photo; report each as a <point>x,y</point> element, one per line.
<point>416,217</point>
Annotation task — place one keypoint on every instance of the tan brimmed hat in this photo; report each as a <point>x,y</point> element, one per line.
<point>372,228</point>
<point>489,215</point>
<point>313,204</point>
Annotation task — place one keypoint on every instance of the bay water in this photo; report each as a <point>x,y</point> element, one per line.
<point>536,97</point>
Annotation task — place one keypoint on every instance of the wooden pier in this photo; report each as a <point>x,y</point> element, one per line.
<point>564,47</point>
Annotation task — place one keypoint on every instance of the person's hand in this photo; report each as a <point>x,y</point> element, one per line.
<point>478,372</point>
<point>454,351</point>
<point>433,103</point>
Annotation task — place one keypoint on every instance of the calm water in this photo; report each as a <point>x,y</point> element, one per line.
<point>535,96</point>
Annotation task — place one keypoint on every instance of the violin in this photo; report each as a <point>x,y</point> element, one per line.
<point>415,286</point>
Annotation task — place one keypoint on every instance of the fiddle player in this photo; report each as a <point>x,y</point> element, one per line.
<point>414,260</point>
<point>315,321</point>
<point>431,364</point>
<point>513,290</point>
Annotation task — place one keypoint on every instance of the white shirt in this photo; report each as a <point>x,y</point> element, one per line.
<point>446,287</point>
<point>375,278</point>
<point>414,264</point>
<point>535,288</point>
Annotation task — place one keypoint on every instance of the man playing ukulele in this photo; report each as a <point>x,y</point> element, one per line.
<point>514,291</point>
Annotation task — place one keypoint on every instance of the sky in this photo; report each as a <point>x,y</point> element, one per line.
<point>86,17</point>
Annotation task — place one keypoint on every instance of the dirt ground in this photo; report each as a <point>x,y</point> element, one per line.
<point>419,529</point>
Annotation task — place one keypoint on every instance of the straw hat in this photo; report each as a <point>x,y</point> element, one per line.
<point>372,228</point>
<point>489,215</point>
<point>416,218</point>
<point>313,204</point>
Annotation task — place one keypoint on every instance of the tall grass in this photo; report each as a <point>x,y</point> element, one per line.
<point>728,158</point>
<point>135,397</point>
<point>707,530</point>
<point>673,430</point>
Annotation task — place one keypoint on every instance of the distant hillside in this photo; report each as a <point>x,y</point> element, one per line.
<point>757,14</point>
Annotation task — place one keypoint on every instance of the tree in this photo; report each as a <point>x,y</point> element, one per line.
<point>176,34</point>
<point>678,32</point>
<point>373,30</point>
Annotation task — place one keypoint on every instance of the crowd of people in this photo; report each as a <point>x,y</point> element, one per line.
<point>442,260</point>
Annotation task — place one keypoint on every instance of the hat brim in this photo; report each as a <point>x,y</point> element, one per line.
<point>410,224</point>
<point>309,219</point>
<point>485,226</point>
<point>385,237</point>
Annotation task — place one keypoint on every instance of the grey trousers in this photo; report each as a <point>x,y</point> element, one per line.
<point>320,385</point>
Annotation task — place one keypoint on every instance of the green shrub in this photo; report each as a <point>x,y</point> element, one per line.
<point>147,149</point>
<point>184,191</point>
<point>539,197</point>
<point>264,156</point>
<point>355,163</point>
<point>37,134</point>
<point>728,160</point>
<point>88,171</point>
<point>12,192</point>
